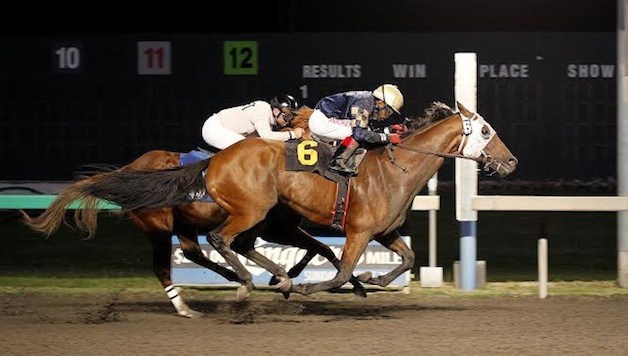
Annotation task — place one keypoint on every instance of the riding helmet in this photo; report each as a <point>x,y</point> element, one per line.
<point>284,101</point>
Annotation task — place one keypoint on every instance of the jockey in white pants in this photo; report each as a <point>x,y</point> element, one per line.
<point>231,125</point>
<point>347,117</point>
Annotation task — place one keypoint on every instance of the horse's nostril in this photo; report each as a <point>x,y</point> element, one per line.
<point>513,161</point>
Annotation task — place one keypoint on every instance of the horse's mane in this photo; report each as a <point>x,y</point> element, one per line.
<point>435,112</point>
<point>302,117</point>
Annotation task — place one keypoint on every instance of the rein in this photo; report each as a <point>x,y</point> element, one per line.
<point>439,154</point>
<point>467,129</point>
<point>485,160</point>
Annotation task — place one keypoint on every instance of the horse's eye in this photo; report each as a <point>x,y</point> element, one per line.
<point>486,132</point>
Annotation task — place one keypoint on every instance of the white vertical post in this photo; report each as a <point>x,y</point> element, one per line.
<point>542,266</point>
<point>431,190</point>
<point>622,140</point>
<point>432,276</point>
<point>466,173</point>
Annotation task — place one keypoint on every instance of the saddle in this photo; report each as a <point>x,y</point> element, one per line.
<point>191,157</point>
<point>314,157</point>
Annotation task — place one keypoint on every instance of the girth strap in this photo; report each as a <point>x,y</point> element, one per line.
<point>342,202</point>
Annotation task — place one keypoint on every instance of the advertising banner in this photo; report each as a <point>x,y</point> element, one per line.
<point>377,259</point>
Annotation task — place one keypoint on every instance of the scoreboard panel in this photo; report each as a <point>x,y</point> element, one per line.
<point>72,100</point>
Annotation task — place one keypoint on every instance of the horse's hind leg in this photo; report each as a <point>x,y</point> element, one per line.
<point>217,241</point>
<point>188,239</point>
<point>221,239</point>
<point>192,251</point>
<point>393,242</point>
<point>162,251</point>
<point>244,245</point>
<point>157,225</point>
<point>245,208</point>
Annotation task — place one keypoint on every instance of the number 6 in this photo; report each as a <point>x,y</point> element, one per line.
<point>306,154</point>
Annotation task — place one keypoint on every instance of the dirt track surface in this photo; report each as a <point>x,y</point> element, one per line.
<point>384,323</point>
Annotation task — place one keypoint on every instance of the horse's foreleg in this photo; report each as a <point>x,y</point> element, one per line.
<point>162,251</point>
<point>393,242</point>
<point>353,249</point>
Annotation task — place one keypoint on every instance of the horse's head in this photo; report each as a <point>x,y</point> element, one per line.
<point>475,138</point>
<point>481,142</point>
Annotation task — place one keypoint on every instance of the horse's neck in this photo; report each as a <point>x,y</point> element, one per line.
<point>442,137</point>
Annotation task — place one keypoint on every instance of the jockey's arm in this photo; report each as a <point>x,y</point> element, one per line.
<point>264,131</point>
<point>362,132</point>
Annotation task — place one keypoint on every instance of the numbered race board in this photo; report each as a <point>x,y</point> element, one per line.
<point>111,98</point>
<point>376,259</point>
<point>153,58</point>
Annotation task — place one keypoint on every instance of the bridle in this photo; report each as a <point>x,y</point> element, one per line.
<point>484,158</point>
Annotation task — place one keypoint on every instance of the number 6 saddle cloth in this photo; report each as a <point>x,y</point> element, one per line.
<point>314,157</point>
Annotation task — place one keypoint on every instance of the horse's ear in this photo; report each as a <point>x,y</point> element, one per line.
<point>463,110</point>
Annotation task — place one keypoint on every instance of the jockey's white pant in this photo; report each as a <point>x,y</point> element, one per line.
<point>217,135</point>
<point>329,127</point>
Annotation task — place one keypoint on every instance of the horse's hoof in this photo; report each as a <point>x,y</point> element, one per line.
<point>284,284</point>
<point>365,277</point>
<point>189,313</point>
<point>242,293</point>
<point>359,291</point>
<point>286,295</point>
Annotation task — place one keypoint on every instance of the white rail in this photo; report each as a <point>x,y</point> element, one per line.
<point>548,203</point>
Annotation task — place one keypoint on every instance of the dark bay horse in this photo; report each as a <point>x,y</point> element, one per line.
<point>187,220</point>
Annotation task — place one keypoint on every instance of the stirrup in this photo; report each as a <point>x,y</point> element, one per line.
<point>340,168</point>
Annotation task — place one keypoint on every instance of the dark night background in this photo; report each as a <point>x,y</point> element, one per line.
<point>62,111</point>
<point>314,16</point>
<point>106,113</point>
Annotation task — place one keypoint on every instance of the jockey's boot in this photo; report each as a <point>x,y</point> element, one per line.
<point>341,157</point>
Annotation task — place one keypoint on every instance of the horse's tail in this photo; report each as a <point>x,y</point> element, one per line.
<point>131,189</point>
<point>85,218</point>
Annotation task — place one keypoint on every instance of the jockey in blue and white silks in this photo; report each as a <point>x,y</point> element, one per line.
<point>346,116</point>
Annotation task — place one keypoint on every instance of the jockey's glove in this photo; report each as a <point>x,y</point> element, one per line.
<point>394,139</point>
<point>396,128</point>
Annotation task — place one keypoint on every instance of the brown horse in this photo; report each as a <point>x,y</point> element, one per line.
<point>380,194</point>
<point>249,178</point>
<point>186,220</point>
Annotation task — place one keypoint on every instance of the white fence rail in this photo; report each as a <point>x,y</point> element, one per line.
<point>548,203</point>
